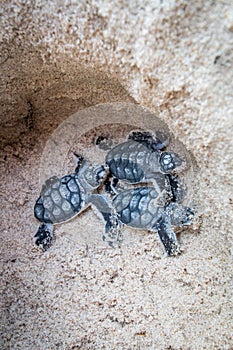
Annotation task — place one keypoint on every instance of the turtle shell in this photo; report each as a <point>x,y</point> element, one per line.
<point>60,199</point>
<point>138,207</point>
<point>130,161</point>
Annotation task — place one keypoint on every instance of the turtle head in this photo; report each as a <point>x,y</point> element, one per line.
<point>180,215</point>
<point>94,174</point>
<point>169,161</point>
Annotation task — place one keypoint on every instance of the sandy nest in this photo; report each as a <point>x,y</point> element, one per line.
<point>60,58</point>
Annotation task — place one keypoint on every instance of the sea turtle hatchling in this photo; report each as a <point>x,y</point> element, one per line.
<point>63,198</point>
<point>152,202</point>
<point>143,159</point>
<point>140,157</point>
<point>155,202</point>
<point>139,208</point>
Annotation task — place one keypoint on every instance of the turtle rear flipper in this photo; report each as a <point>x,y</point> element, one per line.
<point>44,236</point>
<point>159,142</point>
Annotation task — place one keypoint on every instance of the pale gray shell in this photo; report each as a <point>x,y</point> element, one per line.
<point>130,161</point>
<point>138,207</point>
<point>60,199</point>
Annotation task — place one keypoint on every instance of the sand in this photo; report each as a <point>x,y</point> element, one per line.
<point>174,58</point>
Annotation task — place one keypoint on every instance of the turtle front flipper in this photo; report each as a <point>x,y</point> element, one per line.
<point>78,161</point>
<point>178,188</point>
<point>167,236</point>
<point>112,234</point>
<point>110,184</point>
<point>44,236</point>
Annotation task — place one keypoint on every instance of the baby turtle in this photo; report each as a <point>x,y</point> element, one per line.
<point>139,158</point>
<point>152,201</point>
<point>63,198</point>
<point>139,208</point>
<point>155,203</point>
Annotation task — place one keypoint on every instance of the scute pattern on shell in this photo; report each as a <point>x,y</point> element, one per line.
<point>60,201</point>
<point>137,207</point>
<point>127,160</point>
<point>125,169</point>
